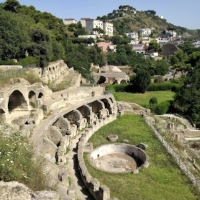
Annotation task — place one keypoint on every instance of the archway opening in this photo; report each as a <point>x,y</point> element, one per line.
<point>17,101</point>
<point>32,98</point>
<point>40,95</point>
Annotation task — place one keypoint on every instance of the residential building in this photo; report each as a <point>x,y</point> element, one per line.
<point>196,44</point>
<point>88,36</point>
<point>90,24</point>
<point>145,31</point>
<point>83,22</point>
<point>138,48</point>
<point>162,41</point>
<point>68,21</point>
<point>104,46</point>
<point>108,28</point>
<point>145,40</point>
<point>112,47</point>
<point>171,33</point>
<point>132,35</point>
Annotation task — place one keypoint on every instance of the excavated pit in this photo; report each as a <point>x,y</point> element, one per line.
<point>118,158</point>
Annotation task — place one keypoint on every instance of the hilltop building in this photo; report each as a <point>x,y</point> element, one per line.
<point>132,35</point>
<point>90,24</point>
<point>68,21</point>
<point>145,32</point>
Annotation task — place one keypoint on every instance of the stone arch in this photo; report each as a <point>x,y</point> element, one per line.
<point>96,107</point>
<point>32,98</point>
<point>85,112</point>
<point>73,117</point>
<point>40,95</point>
<point>17,100</point>
<point>123,81</point>
<point>111,99</point>
<point>107,105</point>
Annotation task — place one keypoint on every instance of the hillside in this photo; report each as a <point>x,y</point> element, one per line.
<point>127,19</point>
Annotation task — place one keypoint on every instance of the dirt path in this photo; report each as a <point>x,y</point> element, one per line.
<point>72,168</point>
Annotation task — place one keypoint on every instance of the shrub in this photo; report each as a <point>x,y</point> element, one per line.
<point>153,100</point>
<point>117,87</point>
<point>163,87</point>
<point>161,108</point>
<point>16,161</point>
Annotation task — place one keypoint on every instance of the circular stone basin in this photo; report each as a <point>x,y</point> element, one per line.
<point>118,158</point>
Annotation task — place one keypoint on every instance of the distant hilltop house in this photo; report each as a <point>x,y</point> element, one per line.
<point>91,24</point>
<point>132,35</point>
<point>138,48</point>
<point>68,21</point>
<point>171,33</point>
<point>196,44</point>
<point>106,46</point>
<point>145,32</point>
<point>88,36</point>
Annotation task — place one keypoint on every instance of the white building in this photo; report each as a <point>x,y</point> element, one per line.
<point>145,31</point>
<point>108,28</point>
<point>68,21</point>
<point>162,41</point>
<point>132,35</point>
<point>90,24</point>
<point>196,44</point>
<point>88,36</point>
<point>171,33</point>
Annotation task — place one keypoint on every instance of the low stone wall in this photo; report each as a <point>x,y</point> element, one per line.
<point>10,67</point>
<point>171,151</point>
<point>99,192</point>
<point>134,152</point>
<point>119,148</point>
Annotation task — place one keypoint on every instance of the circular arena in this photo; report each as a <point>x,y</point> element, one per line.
<point>118,158</point>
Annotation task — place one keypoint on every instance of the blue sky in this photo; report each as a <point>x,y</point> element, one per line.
<point>185,13</point>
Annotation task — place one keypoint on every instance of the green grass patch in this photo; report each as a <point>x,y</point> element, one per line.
<point>143,99</point>
<point>162,180</point>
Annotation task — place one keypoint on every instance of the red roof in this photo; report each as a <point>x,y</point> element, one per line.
<point>103,45</point>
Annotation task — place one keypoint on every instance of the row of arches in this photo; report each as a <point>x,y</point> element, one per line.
<point>85,115</point>
<point>17,101</point>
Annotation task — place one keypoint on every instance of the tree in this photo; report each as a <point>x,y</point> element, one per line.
<point>99,30</point>
<point>153,100</point>
<point>14,35</point>
<point>187,98</point>
<point>142,80</point>
<point>11,5</point>
<point>154,46</point>
<point>178,61</point>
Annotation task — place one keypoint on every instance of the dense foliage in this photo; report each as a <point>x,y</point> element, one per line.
<point>44,38</point>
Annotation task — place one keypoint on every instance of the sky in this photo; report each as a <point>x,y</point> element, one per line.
<point>185,13</point>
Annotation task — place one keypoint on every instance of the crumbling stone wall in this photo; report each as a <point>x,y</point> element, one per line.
<point>55,70</point>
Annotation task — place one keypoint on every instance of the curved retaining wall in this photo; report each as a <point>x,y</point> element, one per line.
<point>131,150</point>
<point>99,192</point>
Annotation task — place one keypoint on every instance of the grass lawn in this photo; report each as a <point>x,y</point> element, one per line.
<point>143,99</point>
<point>162,180</point>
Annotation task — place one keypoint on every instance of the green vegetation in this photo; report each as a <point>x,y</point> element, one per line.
<point>161,180</point>
<point>143,99</point>
<point>17,163</point>
<point>6,77</point>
